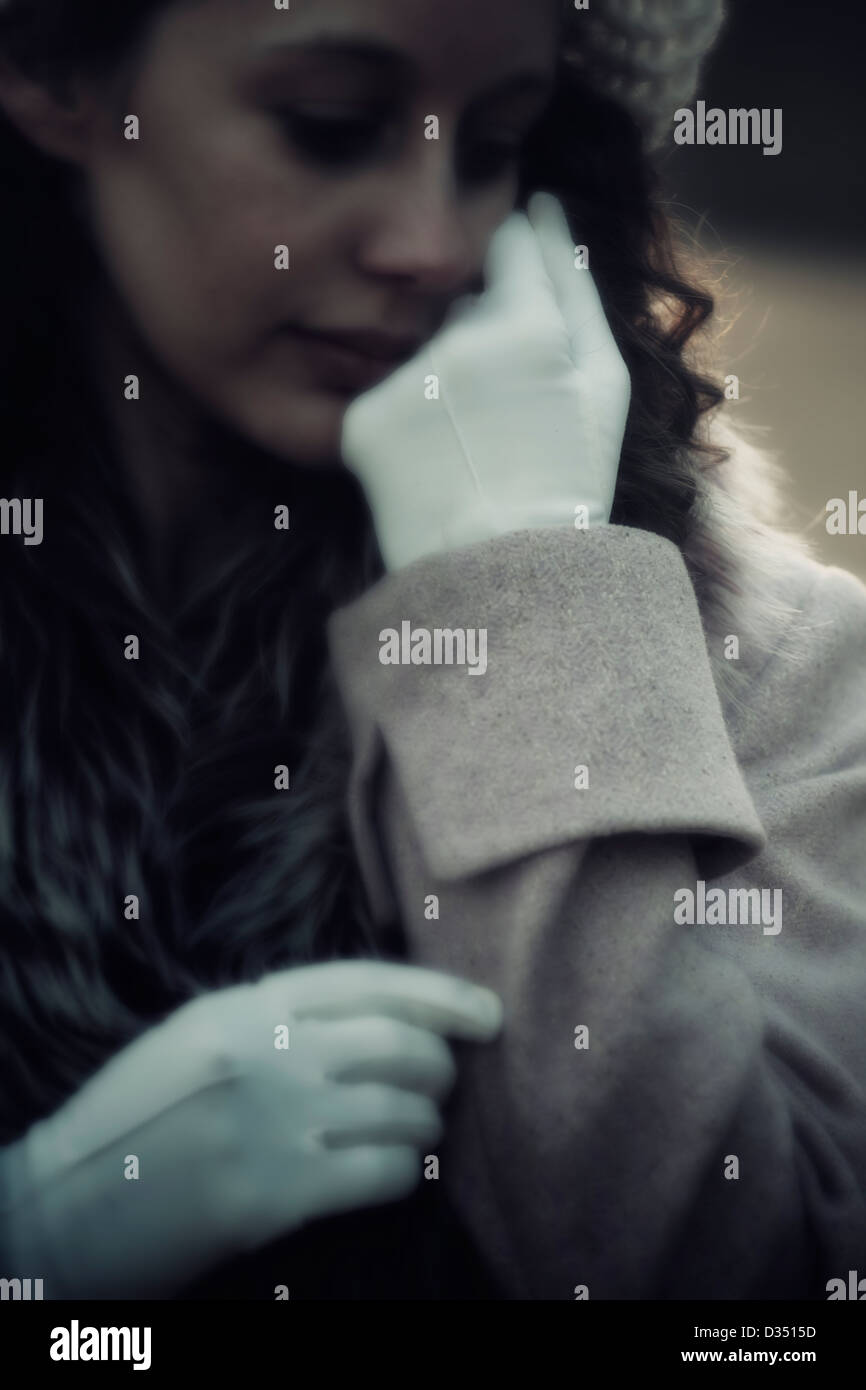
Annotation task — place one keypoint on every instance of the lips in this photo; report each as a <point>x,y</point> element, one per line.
<point>352,361</point>
<point>381,347</point>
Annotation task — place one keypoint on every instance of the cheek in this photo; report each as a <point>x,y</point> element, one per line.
<point>194,262</point>
<point>193,267</point>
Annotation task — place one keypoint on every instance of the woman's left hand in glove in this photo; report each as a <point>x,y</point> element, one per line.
<point>511,417</point>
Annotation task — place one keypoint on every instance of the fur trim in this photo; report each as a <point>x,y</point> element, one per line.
<point>751,573</point>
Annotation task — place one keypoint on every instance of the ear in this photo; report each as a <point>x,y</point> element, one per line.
<point>55,117</point>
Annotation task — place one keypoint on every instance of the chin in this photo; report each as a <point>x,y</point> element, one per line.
<point>306,429</point>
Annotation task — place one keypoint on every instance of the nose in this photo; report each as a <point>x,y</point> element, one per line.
<point>421,231</point>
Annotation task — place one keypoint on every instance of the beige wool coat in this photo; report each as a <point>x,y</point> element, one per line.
<point>673,1109</point>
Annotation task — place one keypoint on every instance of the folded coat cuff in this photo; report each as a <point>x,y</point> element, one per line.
<point>595,658</point>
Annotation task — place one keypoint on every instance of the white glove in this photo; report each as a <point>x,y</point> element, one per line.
<point>238,1142</point>
<point>533,400</point>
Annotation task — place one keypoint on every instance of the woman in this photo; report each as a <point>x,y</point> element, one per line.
<point>262,842</point>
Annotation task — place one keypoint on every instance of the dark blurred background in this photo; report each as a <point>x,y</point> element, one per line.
<point>785,238</point>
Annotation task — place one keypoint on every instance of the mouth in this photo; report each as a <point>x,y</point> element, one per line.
<point>352,359</point>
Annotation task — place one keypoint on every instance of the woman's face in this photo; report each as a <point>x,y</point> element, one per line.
<point>307,129</point>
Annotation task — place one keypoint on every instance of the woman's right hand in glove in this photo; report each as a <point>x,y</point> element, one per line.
<point>238,1139</point>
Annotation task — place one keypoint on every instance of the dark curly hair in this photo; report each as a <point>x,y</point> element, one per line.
<point>150,777</point>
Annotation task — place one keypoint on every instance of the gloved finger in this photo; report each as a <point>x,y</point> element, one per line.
<point>516,278</point>
<point>428,998</point>
<point>373,1048</point>
<point>579,301</point>
<point>363,1176</point>
<point>369,1113</point>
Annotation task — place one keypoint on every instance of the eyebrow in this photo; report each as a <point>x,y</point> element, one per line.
<point>373,53</point>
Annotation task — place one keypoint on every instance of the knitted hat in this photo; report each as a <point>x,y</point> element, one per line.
<point>646,54</point>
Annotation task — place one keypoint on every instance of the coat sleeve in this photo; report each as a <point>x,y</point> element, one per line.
<point>671,1110</point>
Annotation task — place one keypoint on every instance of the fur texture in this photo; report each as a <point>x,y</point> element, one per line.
<point>740,553</point>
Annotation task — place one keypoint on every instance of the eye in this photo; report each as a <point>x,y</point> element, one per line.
<point>489,160</point>
<point>336,138</point>
<point>333,139</point>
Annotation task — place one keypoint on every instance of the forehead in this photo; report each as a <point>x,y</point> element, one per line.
<point>437,43</point>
